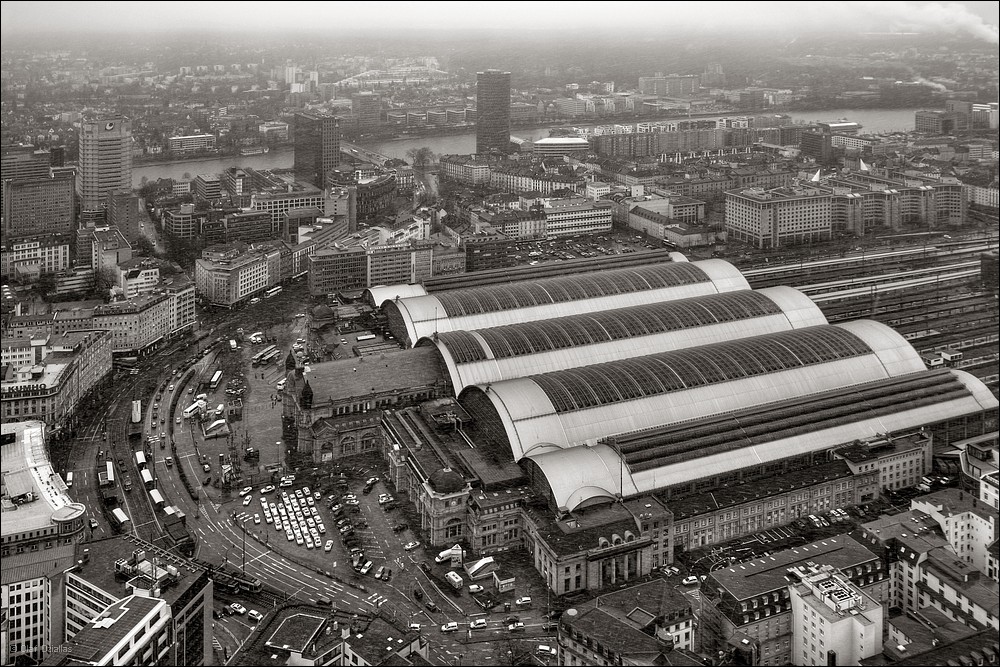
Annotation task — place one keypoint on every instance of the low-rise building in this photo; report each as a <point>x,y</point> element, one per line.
<point>753,600</point>
<point>900,461</point>
<point>643,624</point>
<point>351,265</point>
<point>969,524</point>
<point>576,215</point>
<point>26,259</point>
<point>62,370</point>
<point>191,143</point>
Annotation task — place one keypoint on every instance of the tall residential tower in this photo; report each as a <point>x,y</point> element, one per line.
<point>493,111</point>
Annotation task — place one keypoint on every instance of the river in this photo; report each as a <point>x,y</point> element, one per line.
<point>872,120</point>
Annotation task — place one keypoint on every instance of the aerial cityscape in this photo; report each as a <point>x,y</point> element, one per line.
<point>382,333</point>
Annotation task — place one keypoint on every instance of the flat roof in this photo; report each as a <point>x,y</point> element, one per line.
<point>296,631</point>
<point>26,467</point>
<point>582,530</point>
<point>767,574</point>
<point>99,637</point>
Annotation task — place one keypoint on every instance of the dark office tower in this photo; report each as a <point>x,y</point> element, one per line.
<point>317,147</point>
<point>367,107</point>
<point>493,111</point>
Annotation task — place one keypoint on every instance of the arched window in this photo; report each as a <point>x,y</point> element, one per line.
<point>629,537</point>
<point>348,445</point>
<point>616,539</point>
<point>369,441</point>
<point>603,542</point>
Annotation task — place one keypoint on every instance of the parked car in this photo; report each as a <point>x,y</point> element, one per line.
<point>429,604</point>
<point>523,600</point>
<point>478,624</point>
<point>238,608</point>
<point>690,580</point>
<point>450,626</point>
<point>418,594</point>
<point>267,489</point>
<point>255,615</point>
<point>366,568</point>
<point>245,490</point>
<point>516,627</point>
<point>475,588</point>
<point>410,546</point>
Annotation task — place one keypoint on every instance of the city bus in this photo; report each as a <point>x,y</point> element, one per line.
<point>157,499</point>
<point>272,292</point>
<point>364,337</point>
<point>111,473</point>
<point>136,412</point>
<point>147,478</point>
<point>120,520</point>
<point>263,353</point>
<point>140,460</point>
<point>216,378</point>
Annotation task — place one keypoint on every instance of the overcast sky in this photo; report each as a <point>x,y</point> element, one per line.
<point>975,19</point>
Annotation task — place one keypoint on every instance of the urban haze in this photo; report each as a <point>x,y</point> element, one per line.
<point>637,333</point>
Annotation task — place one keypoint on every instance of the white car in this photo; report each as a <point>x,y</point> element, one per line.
<point>328,546</point>
<point>450,626</point>
<point>410,546</point>
<point>690,580</point>
<point>256,519</point>
<point>367,568</point>
<point>238,608</point>
<point>255,616</point>
<point>478,624</point>
<point>245,490</point>
<point>267,489</point>
<point>523,600</point>
<point>475,588</point>
<point>247,500</point>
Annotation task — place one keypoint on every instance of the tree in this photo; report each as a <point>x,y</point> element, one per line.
<point>421,157</point>
<point>144,247</point>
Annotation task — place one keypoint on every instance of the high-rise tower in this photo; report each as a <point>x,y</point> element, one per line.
<point>493,111</point>
<point>105,161</point>
<point>317,147</point>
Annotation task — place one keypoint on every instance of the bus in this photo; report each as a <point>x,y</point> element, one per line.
<point>140,460</point>
<point>147,478</point>
<point>269,357</point>
<point>69,480</point>
<point>120,520</point>
<point>232,345</point>
<point>364,337</point>
<point>111,473</point>
<point>157,499</point>
<point>263,353</point>
<point>216,377</point>
<point>136,412</point>
<point>272,292</point>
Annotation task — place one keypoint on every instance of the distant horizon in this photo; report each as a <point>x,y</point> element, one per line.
<point>977,20</point>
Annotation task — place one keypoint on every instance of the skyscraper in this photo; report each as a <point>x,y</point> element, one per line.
<point>317,147</point>
<point>493,111</point>
<point>105,161</point>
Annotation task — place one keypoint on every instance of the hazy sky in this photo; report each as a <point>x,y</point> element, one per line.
<point>975,19</point>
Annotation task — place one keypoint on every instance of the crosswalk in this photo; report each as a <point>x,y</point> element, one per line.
<point>375,600</point>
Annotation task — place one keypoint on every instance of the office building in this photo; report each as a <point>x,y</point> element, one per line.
<point>317,147</point>
<point>367,108</point>
<point>493,112</point>
<point>25,260</point>
<point>38,206</point>
<point>939,122</point>
<point>576,215</point>
<point>191,143</point>
<point>207,187</point>
<point>62,369</point>
<point>833,620</point>
<point>225,275</point>
<point>124,212</point>
<point>112,570</point>
<point>41,529</point>
<point>350,266</point>
<point>183,222</point>
<point>105,161</point>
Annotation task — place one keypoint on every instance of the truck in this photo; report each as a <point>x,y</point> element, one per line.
<point>455,580</point>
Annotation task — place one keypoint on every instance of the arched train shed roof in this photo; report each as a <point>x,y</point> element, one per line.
<point>498,305</point>
<point>583,405</point>
<point>531,348</point>
<point>645,461</point>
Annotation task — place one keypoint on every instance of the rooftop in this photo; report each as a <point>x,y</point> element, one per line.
<point>950,502</point>
<point>97,639</point>
<point>614,635</point>
<point>296,631</point>
<point>26,468</point>
<point>364,376</point>
<point>767,574</point>
<point>582,530</point>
